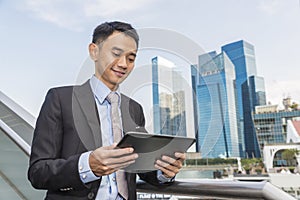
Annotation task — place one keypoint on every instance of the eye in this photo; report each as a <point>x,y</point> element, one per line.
<point>116,54</point>
<point>131,59</point>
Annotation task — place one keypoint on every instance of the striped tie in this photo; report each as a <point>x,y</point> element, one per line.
<point>113,99</point>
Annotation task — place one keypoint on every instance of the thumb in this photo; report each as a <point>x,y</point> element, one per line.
<point>113,146</point>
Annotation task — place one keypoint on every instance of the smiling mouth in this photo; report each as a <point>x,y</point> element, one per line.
<point>118,73</point>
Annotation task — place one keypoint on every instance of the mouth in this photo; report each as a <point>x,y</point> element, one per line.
<point>119,73</point>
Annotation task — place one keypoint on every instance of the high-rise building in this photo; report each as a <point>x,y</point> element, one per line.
<point>168,98</point>
<point>250,93</point>
<point>257,91</point>
<point>214,97</point>
<point>271,124</point>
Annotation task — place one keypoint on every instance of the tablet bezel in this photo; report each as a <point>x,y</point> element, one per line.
<point>151,147</point>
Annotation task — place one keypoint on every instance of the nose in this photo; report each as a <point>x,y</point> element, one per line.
<point>122,62</point>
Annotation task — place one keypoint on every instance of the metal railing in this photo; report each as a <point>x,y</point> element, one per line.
<point>17,109</point>
<point>218,189</point>
<point>24,146</point>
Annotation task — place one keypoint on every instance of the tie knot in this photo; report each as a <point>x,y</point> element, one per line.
<point>113,98</point>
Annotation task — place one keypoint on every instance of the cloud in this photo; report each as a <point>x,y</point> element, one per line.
<point>104,8</point>
<point>66,14</point>
<point>270,7</point>
<point>74,14</point>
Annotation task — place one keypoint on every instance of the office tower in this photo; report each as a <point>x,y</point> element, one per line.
<point>271,124</point>
<point>250,93</point>
<point>168,98</point>
<point>213,86</point>
<point>257,90</point>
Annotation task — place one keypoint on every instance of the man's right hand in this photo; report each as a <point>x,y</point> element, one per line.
<point>106,160</point>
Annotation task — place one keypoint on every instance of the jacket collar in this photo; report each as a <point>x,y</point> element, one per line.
<point>84,108</point>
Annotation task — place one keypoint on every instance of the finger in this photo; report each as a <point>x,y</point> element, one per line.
<point>168,159</point>
<point>109,152</point>
<point>181,156</point>
<point>166,172</point>
<point>172,161</point>
<point>167,165</point>
<point>119,160</point>
<point>121,152</point>
<point>123,165</point>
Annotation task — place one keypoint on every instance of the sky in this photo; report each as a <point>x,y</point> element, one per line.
<point>44,42</point>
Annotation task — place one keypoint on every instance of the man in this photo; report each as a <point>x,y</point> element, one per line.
<point>73,150</point>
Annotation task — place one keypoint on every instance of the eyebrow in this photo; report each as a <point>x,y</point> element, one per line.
<point>122,51</point>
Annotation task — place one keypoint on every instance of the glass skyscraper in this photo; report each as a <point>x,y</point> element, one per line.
<point>250,93</point>
<point>214,98</point>
<point>257,91</point>
<point>168,98</point>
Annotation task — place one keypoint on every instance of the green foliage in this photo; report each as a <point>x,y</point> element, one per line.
<point>258,170</point>
<point>292,169</point>
<point>211,161</point>
<point>294,106</point>
<point>289,155</point>
<point>248,163</point>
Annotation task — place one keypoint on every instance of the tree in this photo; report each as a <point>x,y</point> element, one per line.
<point>294,106</point>
<point>289,155</point>
<point>249,163</point>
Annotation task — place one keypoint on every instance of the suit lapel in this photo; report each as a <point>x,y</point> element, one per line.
<point>85,110</point>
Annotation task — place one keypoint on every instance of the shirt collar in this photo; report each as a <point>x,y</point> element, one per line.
<point>100,90</point>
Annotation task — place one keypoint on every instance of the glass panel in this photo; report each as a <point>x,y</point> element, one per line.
<point>13,172</point>
<point>6,192</point>
<point>22,128</point>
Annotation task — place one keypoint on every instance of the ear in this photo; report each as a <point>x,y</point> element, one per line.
<point>94,51</point>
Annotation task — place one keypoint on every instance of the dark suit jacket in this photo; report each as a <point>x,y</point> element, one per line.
<point>67,126</point>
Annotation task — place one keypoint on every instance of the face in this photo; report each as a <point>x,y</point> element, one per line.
<point>114,59</point>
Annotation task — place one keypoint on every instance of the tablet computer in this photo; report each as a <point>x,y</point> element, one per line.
<point>151,147</point>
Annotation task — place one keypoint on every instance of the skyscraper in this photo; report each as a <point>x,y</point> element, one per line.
<point>168,98</point>
<point>257,91</point>
<point>213,85</point>
<point>250,93</point>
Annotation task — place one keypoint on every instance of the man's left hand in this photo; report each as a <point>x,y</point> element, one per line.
<point>170,166</point>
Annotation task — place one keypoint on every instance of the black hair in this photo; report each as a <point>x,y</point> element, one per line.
<point>103,31</point>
